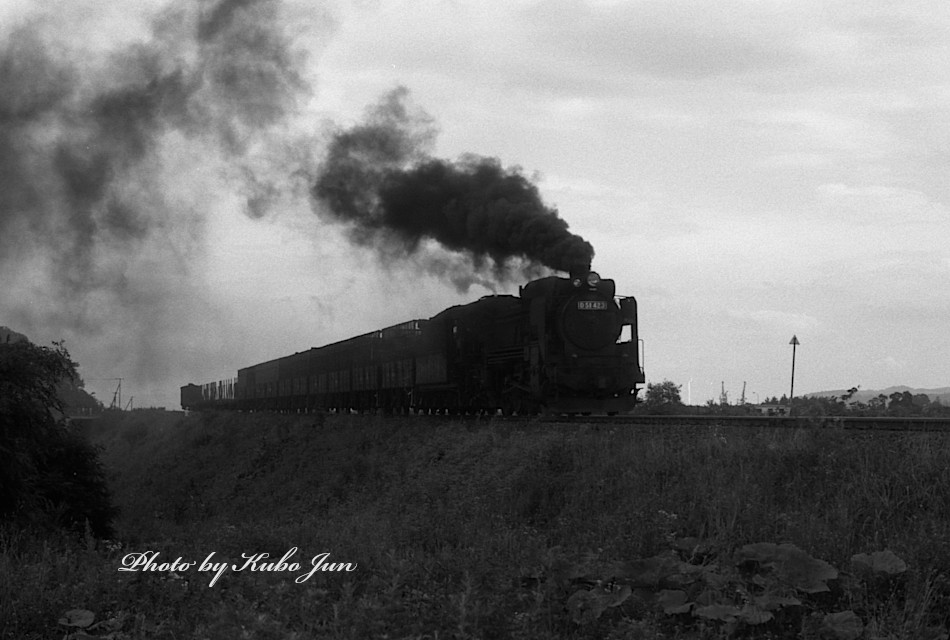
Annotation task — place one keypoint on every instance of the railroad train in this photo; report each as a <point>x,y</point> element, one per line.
<point>563,345</point>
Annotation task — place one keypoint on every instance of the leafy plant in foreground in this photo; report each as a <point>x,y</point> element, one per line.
<point>761,588</point>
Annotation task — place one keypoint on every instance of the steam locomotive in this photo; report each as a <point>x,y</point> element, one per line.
<point>563,345</point>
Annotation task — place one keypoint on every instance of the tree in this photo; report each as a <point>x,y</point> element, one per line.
<point>820,406</point>
<point>850,394</point>
<point>877,405</point>
<point>921,401</point>
<point>936,409</point>
<point>49,474</point>
<point>901,404</point>
<point>663,396</point>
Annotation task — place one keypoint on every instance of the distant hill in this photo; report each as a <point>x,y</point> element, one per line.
<point>863,395</point>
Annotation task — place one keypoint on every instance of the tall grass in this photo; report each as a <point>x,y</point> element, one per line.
<point>476,530</point>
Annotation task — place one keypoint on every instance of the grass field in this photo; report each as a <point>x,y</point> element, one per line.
<point>496,530</point>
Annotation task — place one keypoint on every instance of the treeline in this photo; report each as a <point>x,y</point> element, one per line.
<point>664,397</point>
<point>900,404</point>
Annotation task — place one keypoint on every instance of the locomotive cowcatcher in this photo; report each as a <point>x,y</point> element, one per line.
<point>563,345</point>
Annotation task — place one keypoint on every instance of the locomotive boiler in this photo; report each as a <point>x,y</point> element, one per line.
<point>563,345</point>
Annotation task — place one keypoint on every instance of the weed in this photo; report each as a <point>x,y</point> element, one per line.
<point>500,530</point>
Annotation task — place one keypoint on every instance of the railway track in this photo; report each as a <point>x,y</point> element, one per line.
<point>858,423</point>
<point>854,423</point>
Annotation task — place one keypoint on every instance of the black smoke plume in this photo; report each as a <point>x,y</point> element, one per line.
<point>379,179</point>
<point>93,236</point>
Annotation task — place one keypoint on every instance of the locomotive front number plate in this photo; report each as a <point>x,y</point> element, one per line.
<point>592,305</point>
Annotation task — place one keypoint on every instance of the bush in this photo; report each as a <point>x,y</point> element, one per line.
<point>663,397</point>
<point>50,475</point>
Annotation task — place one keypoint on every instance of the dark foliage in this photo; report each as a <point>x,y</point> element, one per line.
<point>49,474</point>
<point>663,397</point>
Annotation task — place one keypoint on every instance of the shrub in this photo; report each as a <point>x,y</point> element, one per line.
<point>49,474</point>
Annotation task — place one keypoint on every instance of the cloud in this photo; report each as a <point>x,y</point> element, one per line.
<point>673,40</point>
<point>778,319</point>
<point>876,203</point>
<point>889,363</point>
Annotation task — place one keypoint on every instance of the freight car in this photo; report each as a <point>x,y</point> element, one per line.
<point>563,345</point>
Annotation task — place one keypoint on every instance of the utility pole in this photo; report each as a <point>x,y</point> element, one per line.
<point>794,342</point>
<point>117,395</point>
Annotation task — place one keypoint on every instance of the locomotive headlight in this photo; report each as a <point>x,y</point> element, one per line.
<point>593,278</point>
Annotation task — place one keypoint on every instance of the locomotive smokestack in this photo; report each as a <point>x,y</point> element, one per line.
<point>579,270</point>
<point>379,180</point>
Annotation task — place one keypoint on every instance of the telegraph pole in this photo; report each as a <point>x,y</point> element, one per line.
<point>794,342</point>
<point>117,395</point>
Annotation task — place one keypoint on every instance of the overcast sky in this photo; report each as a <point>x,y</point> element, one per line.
<point>749,170</point>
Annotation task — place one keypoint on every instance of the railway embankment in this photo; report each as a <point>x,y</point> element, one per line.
<point>406,527</point>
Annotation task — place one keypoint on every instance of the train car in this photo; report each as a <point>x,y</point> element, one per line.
<point>191,397</point>
<point>563,345</point>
